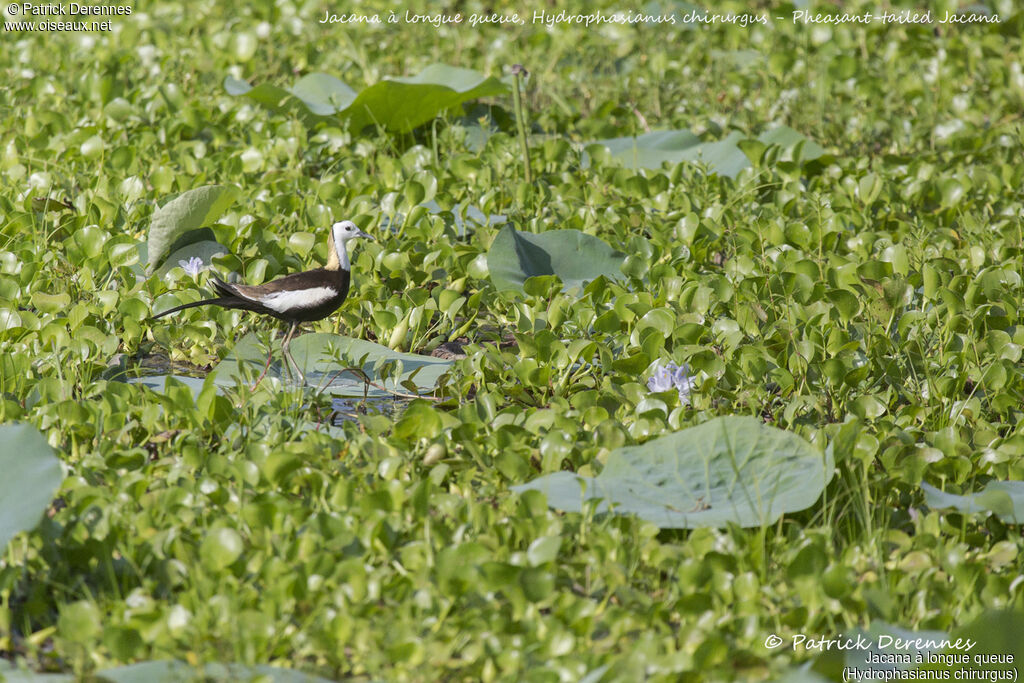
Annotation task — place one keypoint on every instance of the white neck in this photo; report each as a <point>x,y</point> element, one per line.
<point>342,250</point>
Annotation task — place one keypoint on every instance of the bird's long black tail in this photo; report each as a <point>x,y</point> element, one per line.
<point>225,301</point>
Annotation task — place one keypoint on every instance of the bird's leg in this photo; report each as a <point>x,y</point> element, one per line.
<point>288,355</point>
<point>263,374</point>
<point>284,354</point>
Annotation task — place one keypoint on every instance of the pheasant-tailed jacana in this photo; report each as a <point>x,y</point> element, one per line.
<point>300,297</point>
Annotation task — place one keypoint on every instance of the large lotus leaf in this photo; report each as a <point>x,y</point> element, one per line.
<point>728,470</point>
<point>273,98</point>
<point>401,104</point>
<point>396,104</point>
<point>188,211</point>
<point>1004,498</point>
<point>650,150</point>
<point>323,94</point>
<point>174,671</point>
<point>315,355</point>
<point>32,475</point>
<point>723,157</point>
<point>312,98</point>
<point>12,675</point>
<point>575,257</point>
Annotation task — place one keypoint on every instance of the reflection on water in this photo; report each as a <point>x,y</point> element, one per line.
<point>350,409</point>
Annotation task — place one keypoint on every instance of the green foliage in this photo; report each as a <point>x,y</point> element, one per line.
<point>32,475</point>
<point>728,470</point>
<point>866,300</point>
<point>397,104</point>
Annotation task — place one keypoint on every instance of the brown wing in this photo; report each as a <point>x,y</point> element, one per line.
<point>309,279</point>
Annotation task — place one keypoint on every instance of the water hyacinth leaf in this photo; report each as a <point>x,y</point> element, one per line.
<point>729,470</point>
<point>1004,498</point>
<point>396,104</point>
<point>172,671</point>
<point>315,353</point>
<point>32,475</point>
<point>723,157</point>
<point>220,548</point>
<point>419,420</point>
<point>123,254</point>
<point>188,211</point>
<point>789,140</point>
<point>576,258</point>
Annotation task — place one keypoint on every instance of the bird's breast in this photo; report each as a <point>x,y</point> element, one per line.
<point>296,300</point>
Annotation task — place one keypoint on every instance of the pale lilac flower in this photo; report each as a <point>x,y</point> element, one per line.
<point>661,380</point>
<point>673,376</point>
<point>191,266</point>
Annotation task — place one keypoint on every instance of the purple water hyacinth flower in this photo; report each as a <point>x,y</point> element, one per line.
<point>673,376</point>
<point>661,380</point>
<point>191,266</point>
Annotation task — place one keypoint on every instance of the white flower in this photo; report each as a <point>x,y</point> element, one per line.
<point>943,131</point>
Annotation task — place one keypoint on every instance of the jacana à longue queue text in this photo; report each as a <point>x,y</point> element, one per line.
<point>296,298</point>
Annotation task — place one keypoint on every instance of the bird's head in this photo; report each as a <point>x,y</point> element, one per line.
<point>343,231</point>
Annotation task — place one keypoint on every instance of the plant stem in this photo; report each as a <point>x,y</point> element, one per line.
<point>517,98</point>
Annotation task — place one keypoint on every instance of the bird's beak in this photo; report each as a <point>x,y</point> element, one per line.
<point>366,235</point>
